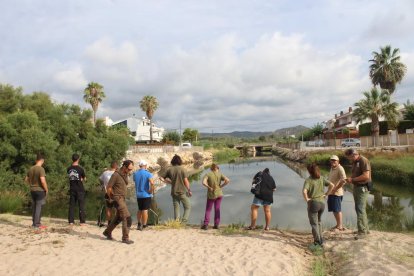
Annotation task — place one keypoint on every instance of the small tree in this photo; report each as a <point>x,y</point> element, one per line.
<point>171,137</point>
<point>149,104</point>
<point>94,94</point>
<point>190,134</point>
<point>408,111</point>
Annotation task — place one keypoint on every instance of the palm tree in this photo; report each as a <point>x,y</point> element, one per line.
<point>375,105</point>
<point>149,104</point>
<point>408,111</point>
<point>94,95</point>
<point>386,69</point>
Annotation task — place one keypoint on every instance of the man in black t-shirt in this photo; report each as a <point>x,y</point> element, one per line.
<point>76,176</point>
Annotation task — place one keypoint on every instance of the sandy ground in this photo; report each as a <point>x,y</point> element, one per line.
<point>82,250</point>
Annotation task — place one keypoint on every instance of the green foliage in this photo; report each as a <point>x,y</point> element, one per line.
<point>93,95</point>
<point>56,130</point>
<point>11,201</point>
<point>171,137</point>
<point>384,126</point>
<point>190,134</point>
<point>403,125</point>
<point>408,111</point>
<point>386,69</point>
<point>225,154</point>
<point>398,170</point>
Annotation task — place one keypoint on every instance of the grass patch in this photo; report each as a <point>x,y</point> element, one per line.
<point>11,201</point>
<point>170,224</point>
<point>320,267</point>
<point>234,229</point>
<point>225,154</point>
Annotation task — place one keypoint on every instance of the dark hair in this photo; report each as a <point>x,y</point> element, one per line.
<point>266,170</point>
<point>314,171</point>
<point>214,167</point>
<point>39,156</point>
<point>350,152</point>
<point>127,162</point>
<point>176,160</point>
<point>75,157</point>
<point>114,164</point>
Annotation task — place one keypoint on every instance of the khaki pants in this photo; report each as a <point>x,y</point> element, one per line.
<point>122,215</point>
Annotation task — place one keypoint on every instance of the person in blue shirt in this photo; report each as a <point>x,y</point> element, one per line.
<point>144,187</point>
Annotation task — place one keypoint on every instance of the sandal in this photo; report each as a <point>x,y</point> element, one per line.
<point>267,229</point>
<point>251,228</point>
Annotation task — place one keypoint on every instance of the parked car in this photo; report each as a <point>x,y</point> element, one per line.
<point>186,145</point>
<point>351,142</point>
<point>316,143</point>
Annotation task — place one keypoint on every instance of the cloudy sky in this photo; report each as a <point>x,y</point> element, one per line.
<point>216,65</point>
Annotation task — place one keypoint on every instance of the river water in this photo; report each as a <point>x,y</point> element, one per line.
<point>389,207</point>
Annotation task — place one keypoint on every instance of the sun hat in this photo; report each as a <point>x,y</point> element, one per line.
<point>334,157</point>
<point>143,163</point>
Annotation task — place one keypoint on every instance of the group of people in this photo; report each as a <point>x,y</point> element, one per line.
<point>36,178</point>
<point>115,181</point>
<point>314,194</point>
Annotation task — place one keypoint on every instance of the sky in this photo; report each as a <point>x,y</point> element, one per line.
<point>216,65</point>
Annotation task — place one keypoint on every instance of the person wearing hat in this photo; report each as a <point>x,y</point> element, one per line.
<point>116,191</point>
<point>337,177</point>
<point>144,188</point>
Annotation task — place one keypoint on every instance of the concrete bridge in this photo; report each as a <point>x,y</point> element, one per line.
<point>265,147</point>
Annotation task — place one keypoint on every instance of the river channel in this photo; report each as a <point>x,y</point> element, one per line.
<point>389,207</point>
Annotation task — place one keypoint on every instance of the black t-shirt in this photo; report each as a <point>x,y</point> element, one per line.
<point>266,187</point>
<point>76,174</point>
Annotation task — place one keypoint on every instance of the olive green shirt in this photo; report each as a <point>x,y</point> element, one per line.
<point>34,174</point>
<point>214,179</point>
<point>359,167</point>
<point>177,174</point>
<point>315,188</point>
<point>118,182</point>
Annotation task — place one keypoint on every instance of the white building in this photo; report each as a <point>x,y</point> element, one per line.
<point>140,129</point>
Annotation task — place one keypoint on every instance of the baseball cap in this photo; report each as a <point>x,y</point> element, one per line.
<point>143,163</point>
<point>334,157</point>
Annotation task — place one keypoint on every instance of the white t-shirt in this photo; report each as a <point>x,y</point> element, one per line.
<point>105,176</point>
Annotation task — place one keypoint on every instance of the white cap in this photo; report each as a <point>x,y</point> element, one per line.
<point>334,157</point>
<point>143,163</point>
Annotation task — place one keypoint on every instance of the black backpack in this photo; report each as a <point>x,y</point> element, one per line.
<point>255,189</point>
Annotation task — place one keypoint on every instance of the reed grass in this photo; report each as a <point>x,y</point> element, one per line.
<point>11,201</point>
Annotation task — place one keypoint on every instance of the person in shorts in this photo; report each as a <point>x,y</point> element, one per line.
<point>144,188</point>
<point>337,177</point>
<point>265,199</point>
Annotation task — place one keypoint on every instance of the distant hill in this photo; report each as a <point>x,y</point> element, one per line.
<point>296,130</point>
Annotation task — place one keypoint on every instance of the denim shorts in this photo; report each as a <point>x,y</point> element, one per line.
<point>334,203</point>
<point>260,202</point>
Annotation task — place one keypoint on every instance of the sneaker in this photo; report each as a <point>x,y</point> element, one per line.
<point>41,227</point>
<point>107,235</point>
<point>204,227</point>
<point>127,241</point>
<point>140,227</point>
<point>215,227</point>
<point>144,226</point>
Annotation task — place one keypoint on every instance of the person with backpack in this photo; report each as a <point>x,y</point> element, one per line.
<point>265,186</point>
<point>214,181</point>
<point>76,175</point>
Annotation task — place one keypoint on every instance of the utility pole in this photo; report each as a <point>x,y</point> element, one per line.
<point>180,135</point>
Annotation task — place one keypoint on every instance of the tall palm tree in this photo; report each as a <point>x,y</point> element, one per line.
<point>94,95</point>
<point>149,104</point>
<point>376,104</point>
<point>386,69</point>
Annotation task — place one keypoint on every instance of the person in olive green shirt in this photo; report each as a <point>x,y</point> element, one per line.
<point>214,181</point>
<point>313,193</point>
<point>180,188</point>
<point>36,178</point>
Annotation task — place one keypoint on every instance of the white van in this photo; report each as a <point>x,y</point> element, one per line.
<point>186,145</point>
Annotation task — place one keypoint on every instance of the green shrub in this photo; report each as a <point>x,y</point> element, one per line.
<point>225,155</point>
<point>11,201</point>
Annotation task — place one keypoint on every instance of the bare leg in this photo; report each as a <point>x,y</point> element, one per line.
<point>108,212</point>
<point>254,209</point>
<point>144,217</point>
<point>338,218</point>
<point>139,217</point>
<point>268,215</point>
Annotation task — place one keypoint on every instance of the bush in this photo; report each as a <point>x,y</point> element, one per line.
<point>11,201</point>
<point>225,155</point>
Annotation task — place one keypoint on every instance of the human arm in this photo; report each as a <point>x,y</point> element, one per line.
<point>363,178</point>
<point>305,194</point>
<point>165,180</point>
<point>205,184</point>
<point>44,184</point>
<point>187,185</point>
<point>151,186</point>
<point>225,182</point>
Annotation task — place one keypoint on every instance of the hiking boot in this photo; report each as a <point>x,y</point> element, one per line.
<point>215,227</point>
<point>204,227</point>
<point>107,235</point>
<point>360,236</point>
<point>139,227</point>
<point>127,241</point>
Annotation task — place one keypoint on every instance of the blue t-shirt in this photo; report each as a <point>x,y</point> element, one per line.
<point>142,185</point>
